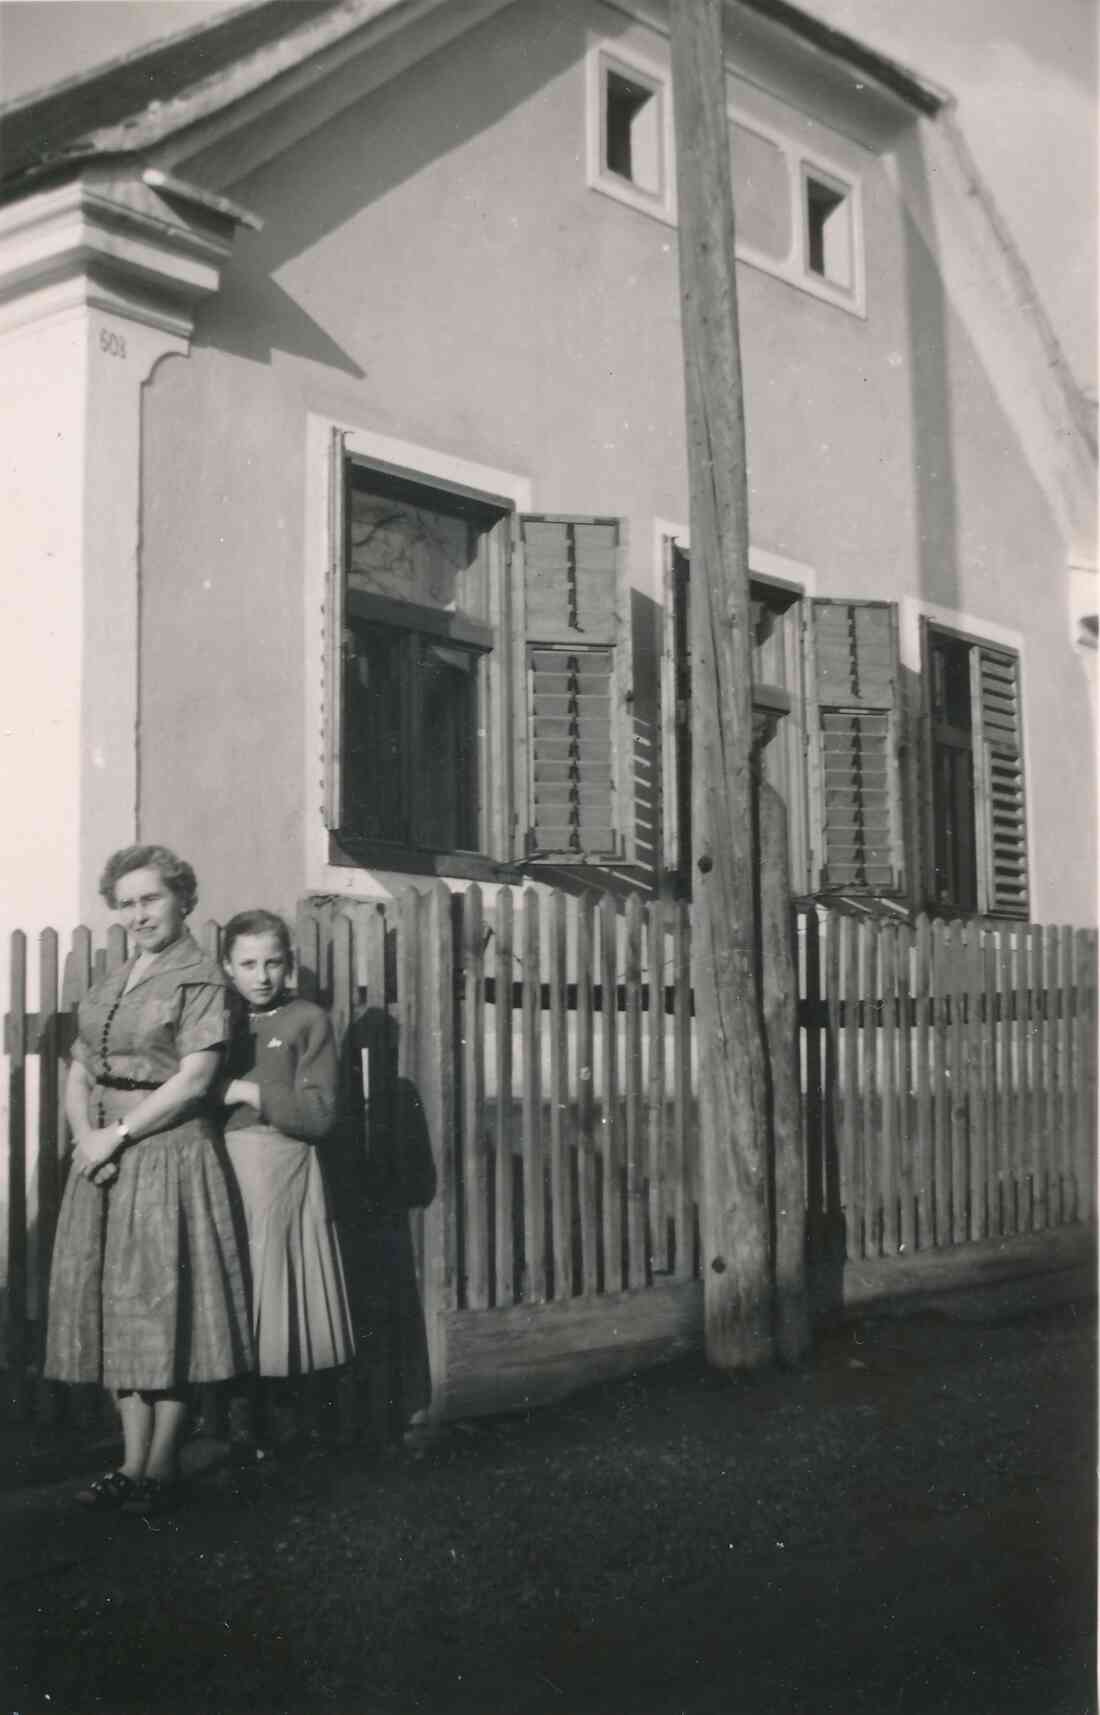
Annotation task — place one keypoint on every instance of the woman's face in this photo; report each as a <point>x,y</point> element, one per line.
<point>149,910</point>
<point>258,967</point>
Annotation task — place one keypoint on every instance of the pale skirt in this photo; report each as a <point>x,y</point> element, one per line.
<point>300,1315</point>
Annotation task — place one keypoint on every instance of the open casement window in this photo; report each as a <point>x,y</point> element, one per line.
<point>574,662</point>
<point>977,833</point>
<point>775,615</point>
<point>853,721</point>
<point>416,681</point>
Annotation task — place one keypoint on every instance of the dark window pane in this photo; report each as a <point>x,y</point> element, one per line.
<point>445,778</point>
<point>375,801</point>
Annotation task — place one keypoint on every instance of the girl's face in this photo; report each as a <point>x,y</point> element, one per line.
<point>258,966</point>
<point>150,911</point>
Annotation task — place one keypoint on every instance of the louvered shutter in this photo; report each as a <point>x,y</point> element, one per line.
<point>995,695</point>
<point>571,604</point>
<point>854,733</point>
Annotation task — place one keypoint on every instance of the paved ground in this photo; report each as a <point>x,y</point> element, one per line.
<point>906,1526</point>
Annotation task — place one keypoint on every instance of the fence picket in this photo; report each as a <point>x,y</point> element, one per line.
<point>868,1130</point>
<point>16,1046</point>
<point>474,1291</point>
<point>50,1133</point>
<point>887,1045</point>
<point>1071,1193</point>
<point>849,1140</point>
<point>656,1096</point>
<point>561,1178</point>
<point>684,1182</point>
<point>504,1167</point>
<point>1088,945</point>
<point>812,1076</point>
<point>991,1105</point>
<point>1021,1048</point>
<point>906,1151</point>
<point>1056,1213</point>
<point>586,1079</point>
<point>635,1148</point>
<point>307,956</point>
<point>924,1046</point>
<point>1006,1082</point>
<point>534,1196</point>
<point>959,1140</point>
<point>609,1097</point>
<point>941,1089</point>
<point>834,1195</point>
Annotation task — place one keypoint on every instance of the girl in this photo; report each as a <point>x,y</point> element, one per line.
<point>281,1090</point>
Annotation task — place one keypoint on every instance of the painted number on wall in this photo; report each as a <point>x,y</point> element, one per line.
<point>112,343</point>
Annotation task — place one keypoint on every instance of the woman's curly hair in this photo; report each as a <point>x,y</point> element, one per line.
<point>176,875</point>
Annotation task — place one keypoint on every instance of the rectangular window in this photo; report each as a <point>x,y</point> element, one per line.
<point>419,638</point>
<point>629,131</point>
<point>977,832</point>
<point>777,708</point>
<point>828,230</point>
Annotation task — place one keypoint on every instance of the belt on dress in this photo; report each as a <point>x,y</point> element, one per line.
<point>111,1083</point>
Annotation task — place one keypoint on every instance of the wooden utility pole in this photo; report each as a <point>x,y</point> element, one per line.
<point>734,1196</point>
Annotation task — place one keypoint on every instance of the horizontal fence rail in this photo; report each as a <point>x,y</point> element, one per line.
<point>520,1081</point>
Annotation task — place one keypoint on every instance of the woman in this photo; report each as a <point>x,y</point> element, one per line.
<point>147,1291</point>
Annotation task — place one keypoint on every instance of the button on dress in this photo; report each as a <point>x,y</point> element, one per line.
<point>147,1284</point>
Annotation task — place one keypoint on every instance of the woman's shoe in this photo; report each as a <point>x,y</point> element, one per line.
<point>153,1496</point>
<point>109,1493</point>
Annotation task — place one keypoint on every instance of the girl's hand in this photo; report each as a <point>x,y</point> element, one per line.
<point>94,1148</point>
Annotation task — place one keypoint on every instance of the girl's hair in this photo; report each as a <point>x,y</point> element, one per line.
<point>176,875</point>
<point>256,923</point>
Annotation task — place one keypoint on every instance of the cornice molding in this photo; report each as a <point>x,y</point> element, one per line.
<point>113,240</point>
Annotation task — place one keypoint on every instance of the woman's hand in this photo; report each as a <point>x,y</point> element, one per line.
<point>94,1148</point>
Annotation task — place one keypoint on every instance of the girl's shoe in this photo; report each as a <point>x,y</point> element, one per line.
<point>109,1493</point>
<point>153,1496</point>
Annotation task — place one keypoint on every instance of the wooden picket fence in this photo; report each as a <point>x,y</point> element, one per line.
<point>520,1081</point>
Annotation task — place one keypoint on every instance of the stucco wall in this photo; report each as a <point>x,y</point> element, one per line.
<point>434,267</point>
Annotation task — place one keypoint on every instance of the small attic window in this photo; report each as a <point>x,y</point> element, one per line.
<point>629,150</point>
<point>632,136</point>
<point>828,228</point>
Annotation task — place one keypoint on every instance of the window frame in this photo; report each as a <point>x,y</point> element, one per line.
<point>784,754</point>
<point>804,164</point>
<point>604,58</point>
<point>347,864</point>
<point>981,807</point>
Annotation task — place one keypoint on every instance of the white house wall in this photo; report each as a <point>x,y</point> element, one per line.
<point>435,268</point>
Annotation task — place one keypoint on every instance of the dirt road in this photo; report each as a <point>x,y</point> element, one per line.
<point>906,1526</point>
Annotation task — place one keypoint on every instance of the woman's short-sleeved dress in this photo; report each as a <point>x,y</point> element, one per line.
<point>147,1286</point>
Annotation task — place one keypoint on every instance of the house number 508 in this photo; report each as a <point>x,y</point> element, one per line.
<point>112,343</point>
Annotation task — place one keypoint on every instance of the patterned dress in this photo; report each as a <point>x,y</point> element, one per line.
<point>147,1287</point>
<point>300,1315</point>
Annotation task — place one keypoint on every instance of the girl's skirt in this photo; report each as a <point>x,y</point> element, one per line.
<point>300,1315</point>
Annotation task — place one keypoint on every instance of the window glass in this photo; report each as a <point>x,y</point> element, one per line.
<point>412,548</point>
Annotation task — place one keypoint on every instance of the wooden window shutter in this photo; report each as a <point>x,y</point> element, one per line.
<point>332,737</point>
<point>573,673</point>
<point>853,723</point>
<point>999,782</point>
